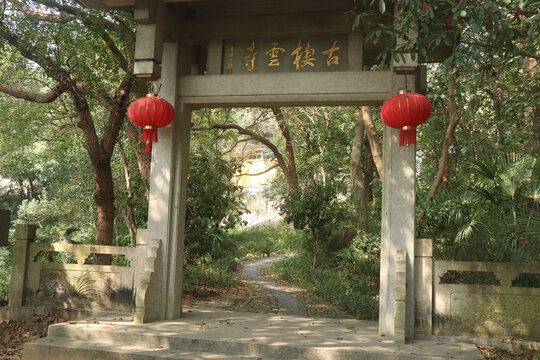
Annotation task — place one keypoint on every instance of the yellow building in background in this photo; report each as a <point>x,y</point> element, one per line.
<point>259,168</point>
<point>254,172</point>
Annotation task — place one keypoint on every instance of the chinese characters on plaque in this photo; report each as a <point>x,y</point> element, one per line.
<point>329,53</point>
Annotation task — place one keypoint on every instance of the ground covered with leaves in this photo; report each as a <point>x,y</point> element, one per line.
<point>243,295</point>
<point>14,334</point>
<point>493,353</point>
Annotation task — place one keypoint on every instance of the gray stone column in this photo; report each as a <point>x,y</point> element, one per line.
<point>168,185</point>
<point>24,234</point>
<point>423,286</point>
<point>398,218</point>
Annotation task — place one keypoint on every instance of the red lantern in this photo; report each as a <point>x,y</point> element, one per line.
<point>150,113</point>
<point>406,111</point>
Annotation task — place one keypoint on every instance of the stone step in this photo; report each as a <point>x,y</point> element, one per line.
<point>69,349</point>
<point>157,341</point>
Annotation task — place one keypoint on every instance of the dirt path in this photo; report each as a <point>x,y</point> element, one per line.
<point>287,303</point>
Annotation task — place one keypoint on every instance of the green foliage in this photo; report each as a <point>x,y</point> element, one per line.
<point>264,240</point>
<point>494,216</point>
<point>361,257</point>
<point>339,286</point>
<point>213,202</point>
<point>237,245</point>
<point>203,274</point>
<point>326,220</point>
<point>5,272</point>
<point>497,29</point>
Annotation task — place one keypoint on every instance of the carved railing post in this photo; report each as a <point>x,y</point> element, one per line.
<point>146,295</point>
<point>24,234</point>
<point>400,298</point>
<point>423,286</point>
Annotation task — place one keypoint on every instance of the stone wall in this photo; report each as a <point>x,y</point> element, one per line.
<point>75,283</point>
<point>476,299</point>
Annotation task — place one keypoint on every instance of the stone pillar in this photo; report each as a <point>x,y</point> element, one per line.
<point>423,286</point>
<point>398,211</point>
<point>168,186</point>
<point>24,234</point>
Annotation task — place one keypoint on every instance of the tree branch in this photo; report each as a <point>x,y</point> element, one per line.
<point>88,22</point>
<point>28,51</point>
<point>279,157</point>
<point>373,139</point>
<point>455,116</point>
<point>117,114</point>
<point>41,16</point>
<point>76,12</point>
<point>259,173</point>
<point>143,158</point>
<point>49,97</point>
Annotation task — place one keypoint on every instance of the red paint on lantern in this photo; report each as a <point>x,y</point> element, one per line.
<point>406,111</point>
<point>150,113</point>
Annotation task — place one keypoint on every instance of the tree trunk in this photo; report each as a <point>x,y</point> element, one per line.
<point>128,214</point>
<point>532,67</point>
<point>289,150</point>
<point>454,116</point>
<point>446,176</point>
<point>144,159</point>
<point>373,139</point>
<point>497,97</point>
<point>358,184</point>
<point>368,173</point>
<point>104,199</point>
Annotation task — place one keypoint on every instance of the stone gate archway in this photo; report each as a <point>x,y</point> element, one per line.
<point>215,53</point>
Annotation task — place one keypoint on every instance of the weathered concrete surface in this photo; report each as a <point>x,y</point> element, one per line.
<point>423,286</point>
<point>500,311</point>
<point>244,334</point>
<point>67,349</point>
<point>100,287</point>
<point>398,216</point>
<point>287,303</point>
<point>17,313</point>
<point>400,297</point>
<point>24,234</point>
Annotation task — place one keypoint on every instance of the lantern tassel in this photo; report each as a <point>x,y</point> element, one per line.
<point>149,136</point>
<point>407,135</point>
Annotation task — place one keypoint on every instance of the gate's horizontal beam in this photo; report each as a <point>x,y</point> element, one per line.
<point>286,89</point>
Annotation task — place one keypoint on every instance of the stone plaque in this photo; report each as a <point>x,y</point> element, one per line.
<point>281,55</point>
<point>5,216</point>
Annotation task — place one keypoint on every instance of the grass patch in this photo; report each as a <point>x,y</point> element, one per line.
<point>207,273</point>
<point>339,286</point>
<point>5,273</point>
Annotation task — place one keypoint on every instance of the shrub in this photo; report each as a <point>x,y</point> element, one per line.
<point>5,272</point>
<point>326,220</point>
<point>338,286</point>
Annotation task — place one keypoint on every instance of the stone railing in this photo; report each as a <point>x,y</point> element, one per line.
<point>486,300</point>
<point>37,281</point>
